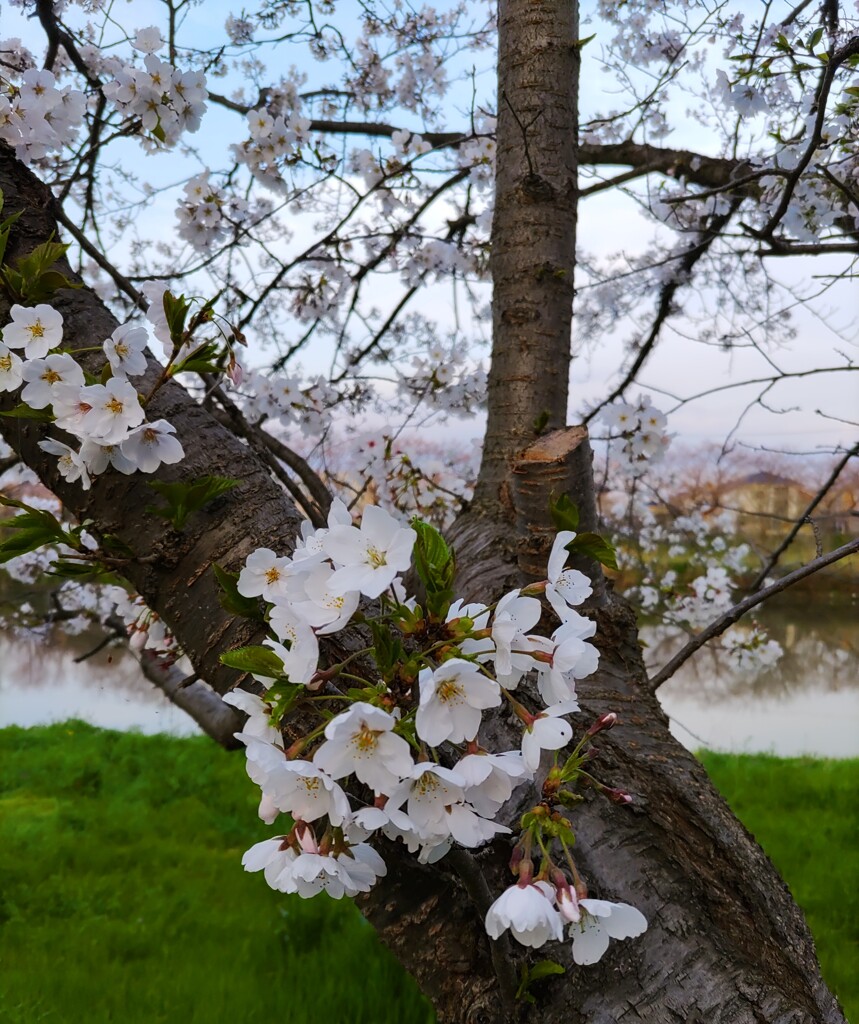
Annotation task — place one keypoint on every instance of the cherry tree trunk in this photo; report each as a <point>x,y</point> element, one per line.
<point>725,943</point>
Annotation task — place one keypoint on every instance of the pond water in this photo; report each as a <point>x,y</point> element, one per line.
<point>807,704</point>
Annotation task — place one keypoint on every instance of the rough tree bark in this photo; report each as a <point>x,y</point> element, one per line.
<point>726,944</point>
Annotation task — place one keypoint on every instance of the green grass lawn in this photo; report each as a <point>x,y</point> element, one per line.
<point>804,812</point>
<point>122,896</point>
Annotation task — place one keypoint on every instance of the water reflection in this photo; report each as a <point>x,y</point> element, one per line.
<point>40,683</point>
<point>807,704</point>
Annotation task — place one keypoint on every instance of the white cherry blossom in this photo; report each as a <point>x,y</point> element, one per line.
<point>36,329</point>
<point>548,731</point>
<point>125,350</point>
<point>451,699</point>
<point>42,376</point>
<point>152,444</point>
<point>70,465</point>
<point>491,778</point>
<point>11,370</point>
<point>264,575</point>
<point>528,911</point>
<point>600,922</point>
<point>361,740</point>
<point>514,617</point>
<point>368,559</point>
<point>566,587</point>
<point>301,659</point>
<point>114,409</point>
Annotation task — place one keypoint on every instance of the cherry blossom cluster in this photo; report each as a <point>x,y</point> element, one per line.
<point>287,400</point>
<point>396,749</point>
<point>106,418</point>
<point>443,379</point>
<point>275,141</point>
<point>416,478</point>
<point>208,214</point>
<point>642,430</point>
<point>37,117</point>
<point>165,100</point>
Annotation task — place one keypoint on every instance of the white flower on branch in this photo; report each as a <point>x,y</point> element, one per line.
<point>600,922</point>
<point>361,740</point>
<point>36,329</point>
<point>528,911</point>
<point>451,699</point>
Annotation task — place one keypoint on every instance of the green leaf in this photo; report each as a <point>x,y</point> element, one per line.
<point>33,279</point>
<point>231,600</point>
<point>176,309</point>
<point>257,660</point>
<point>565,515</point>
<point>33,528</point>
<point>387,649</point>
<point>25,540</point>
<point>545,969</point>
<point>208,358</point>
<point>82,572</point>
<point>594,546</point>
<point>282,696</point>
<point>435,564</point>
<point>5,229</point>
<point>184,499</point>
<point>24,412</point>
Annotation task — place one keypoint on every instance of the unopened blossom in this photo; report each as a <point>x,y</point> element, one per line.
<point>11,370</point>
<point>451,700</point>
<point>264,575</point>
<point>152,444</point>
<point>36,329</point>
<point>69,465</point>
<point>43,376</point>
<point>368,559</point>
<point>566,587</point>
<point>125,350</point>
<point>547,731</point>
<point>528,911</point>
<point>601,921</point>
<point>361,740</point>
<point>115,409</point>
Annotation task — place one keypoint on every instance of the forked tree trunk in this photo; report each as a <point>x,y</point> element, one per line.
<point>726,944</point>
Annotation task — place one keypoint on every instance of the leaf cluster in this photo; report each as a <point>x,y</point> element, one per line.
<point>183,499</point>
<point>34,277</point>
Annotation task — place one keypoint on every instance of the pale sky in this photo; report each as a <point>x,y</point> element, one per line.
<point>608,223</point>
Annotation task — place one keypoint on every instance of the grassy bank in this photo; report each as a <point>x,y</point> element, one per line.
<point>123,899</point>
